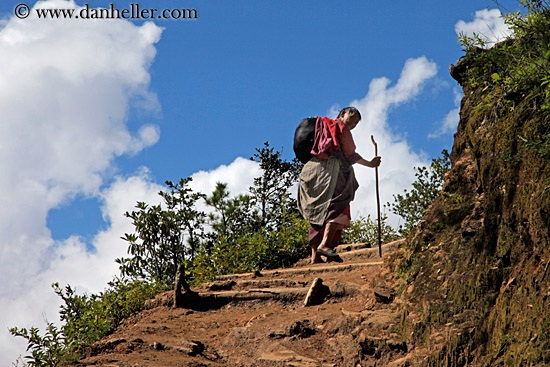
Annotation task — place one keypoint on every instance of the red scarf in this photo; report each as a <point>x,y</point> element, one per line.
<point>326,138</point>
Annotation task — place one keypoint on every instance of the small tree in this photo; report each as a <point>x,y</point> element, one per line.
<point>270,192</point>
<point>429,181</point>
<point>159,245</point>
<point>181,199</point>
<point>365,230</point>
<point>231,222</point>
<point>232,216</point>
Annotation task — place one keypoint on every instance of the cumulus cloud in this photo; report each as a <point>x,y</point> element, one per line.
<point>448,124</point>
<point>398,159</point>
<point>65,91</point>
<point>450,121</point>
<point>239,176</point>
<point>489,24</point>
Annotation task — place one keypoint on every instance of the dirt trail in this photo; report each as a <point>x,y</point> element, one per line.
<point>260,320</point>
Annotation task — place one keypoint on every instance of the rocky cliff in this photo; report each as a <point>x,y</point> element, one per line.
<point>477,268</point>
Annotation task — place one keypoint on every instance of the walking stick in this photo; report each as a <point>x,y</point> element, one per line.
<point>377,199</point>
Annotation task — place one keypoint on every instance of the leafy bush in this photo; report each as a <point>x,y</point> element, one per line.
<point>90,318</point>
<point>365,230</point>
<point>519,67</point>
<point>254,248</point>
<point>87,319</point>
<point>429,181</point>
<point>48,350</point>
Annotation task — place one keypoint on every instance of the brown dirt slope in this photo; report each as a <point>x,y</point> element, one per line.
<point>261,320</point>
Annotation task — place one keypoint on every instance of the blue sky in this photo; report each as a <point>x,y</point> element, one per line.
<point>98,114</point>
<point>245,72</point>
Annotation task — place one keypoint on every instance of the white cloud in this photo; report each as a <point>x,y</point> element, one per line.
<point>65,91</point>
<point>398,159</point>
<point>148,135</point>
<point>487,23</point>
<point>450,121</point>
<point>448,125</point>
<point>239,176</point>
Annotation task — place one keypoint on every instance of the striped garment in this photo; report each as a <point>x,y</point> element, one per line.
<point>316,188</point>
<point>326,188</point>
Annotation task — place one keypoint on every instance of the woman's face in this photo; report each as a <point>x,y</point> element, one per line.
<point>350,119</point>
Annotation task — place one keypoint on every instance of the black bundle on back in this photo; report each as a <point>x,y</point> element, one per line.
<point>303,139</point>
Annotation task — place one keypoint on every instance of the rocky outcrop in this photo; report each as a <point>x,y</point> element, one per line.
<point>478,284</point>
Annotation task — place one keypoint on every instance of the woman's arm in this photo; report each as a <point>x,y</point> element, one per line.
<point>375,162</point>
<point>348,147</point>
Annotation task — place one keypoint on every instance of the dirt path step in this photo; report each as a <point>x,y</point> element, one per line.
<point>257,293</point>
<point>260,319</point>
<point>355,256</point>
<point>312,269</point>
<point>359,252</point>
<point>241,284</point>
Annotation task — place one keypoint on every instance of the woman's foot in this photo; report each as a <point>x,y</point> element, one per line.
<point>330,254</point>
<point>336,259</point>
<point>315,258</point>
<point>317,261</point>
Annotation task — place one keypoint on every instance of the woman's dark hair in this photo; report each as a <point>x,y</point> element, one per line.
<point>352,110</point>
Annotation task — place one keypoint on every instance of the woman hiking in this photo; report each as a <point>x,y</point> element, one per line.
<point>327,183</point>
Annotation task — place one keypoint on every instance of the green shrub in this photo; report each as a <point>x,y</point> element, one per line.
<point>90,318</point>
<point>49,350</point>
<point>86,319</point>
<point>252,251</point>
<point>427,186</point>
<point>517,68</point>
<point>365,230</point>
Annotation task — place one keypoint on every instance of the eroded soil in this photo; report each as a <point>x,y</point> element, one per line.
<point>261,320</point>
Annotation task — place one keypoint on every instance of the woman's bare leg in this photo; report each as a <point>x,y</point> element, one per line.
<point>328,235</point>
<point>315,258</point>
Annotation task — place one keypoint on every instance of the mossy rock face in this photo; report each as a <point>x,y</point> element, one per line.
<point>479,267</point>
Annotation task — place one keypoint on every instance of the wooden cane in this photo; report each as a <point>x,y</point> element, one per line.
<point>377,199</point>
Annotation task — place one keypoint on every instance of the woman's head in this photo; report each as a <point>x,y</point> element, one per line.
<point>350,116</point>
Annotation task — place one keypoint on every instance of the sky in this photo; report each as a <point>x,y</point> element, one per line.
<point>95,114</point>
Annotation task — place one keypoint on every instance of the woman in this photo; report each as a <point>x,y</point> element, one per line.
<point>328,184</point>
